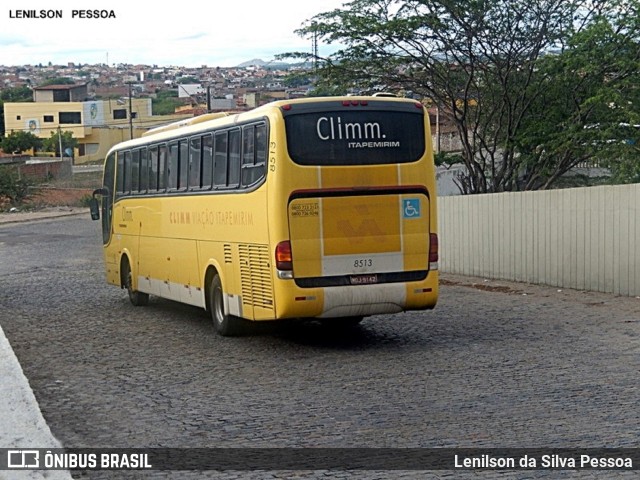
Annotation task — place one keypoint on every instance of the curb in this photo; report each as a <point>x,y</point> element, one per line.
<point>22,217</point>
<point>21,422</point>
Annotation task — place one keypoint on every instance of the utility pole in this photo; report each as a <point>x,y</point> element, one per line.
<point>130,114</point>
<point>437,127</point>
<point>60,140</point>
<point>314,51</point>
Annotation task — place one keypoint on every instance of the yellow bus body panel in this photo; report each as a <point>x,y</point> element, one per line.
<point>357,221</point>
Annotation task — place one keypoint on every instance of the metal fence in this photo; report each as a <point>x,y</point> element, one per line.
<point>581,238</point>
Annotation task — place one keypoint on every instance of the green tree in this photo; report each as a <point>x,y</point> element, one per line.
<point>20,141</point>
<point>12,185</point>
<point>165,102</point>
<point>14,94</point>
<point>296,79</point>
<point>52,144</point>
<point>188,80</point>
<point>58,81</point>
<point>589,110</point>
<point>479,61</point>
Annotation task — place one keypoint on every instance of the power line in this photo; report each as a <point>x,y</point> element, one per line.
<point>119,126</point>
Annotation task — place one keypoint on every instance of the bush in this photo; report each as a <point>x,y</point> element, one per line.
<point>12,187</point>
<point>85,201</point>
<point>18,142</point>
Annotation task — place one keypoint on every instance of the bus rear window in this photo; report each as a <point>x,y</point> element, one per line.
<point>356,137</point>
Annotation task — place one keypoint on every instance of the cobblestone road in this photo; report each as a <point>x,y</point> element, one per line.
<point>497,364</point>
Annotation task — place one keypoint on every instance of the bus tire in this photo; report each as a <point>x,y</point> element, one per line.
<point>224,324</point>
<point>137,299</point>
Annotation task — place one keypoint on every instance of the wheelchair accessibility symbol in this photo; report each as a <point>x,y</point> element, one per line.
<point>411,208</point>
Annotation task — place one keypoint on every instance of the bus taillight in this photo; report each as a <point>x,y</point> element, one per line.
<point>433,251</point>
<point>355,103</point>
<point>284,260</point>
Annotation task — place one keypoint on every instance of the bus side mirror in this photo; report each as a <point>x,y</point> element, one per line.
<point>94,206</point>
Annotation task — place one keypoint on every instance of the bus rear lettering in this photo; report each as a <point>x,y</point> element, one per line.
<point>373,144</point>
<point>332,128</point>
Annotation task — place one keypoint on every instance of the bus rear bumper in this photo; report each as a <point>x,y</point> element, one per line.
<point>363,300</point>
<point>355,300</point>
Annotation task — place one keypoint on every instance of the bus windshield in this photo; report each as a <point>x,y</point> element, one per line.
<point>355,135</point>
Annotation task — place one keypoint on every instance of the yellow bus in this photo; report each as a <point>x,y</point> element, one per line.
<point>319,208</point>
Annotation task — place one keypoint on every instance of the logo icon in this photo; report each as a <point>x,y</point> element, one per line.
<point>411,208</point>
<point>23,459</point>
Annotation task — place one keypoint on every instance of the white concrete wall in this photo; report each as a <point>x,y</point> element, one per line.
<point>581,238</point>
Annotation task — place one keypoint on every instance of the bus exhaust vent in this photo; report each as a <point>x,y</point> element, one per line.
<point>228,255</point>
<point>255,275</point>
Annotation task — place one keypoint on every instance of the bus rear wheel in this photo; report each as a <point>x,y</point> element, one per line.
<point>138,299</point>
<point>225,324</point>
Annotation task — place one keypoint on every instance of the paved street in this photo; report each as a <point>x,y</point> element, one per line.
<point>496,364</point>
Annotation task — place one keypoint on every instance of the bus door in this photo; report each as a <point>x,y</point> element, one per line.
<point>107,195</point>
<point>104,211</point>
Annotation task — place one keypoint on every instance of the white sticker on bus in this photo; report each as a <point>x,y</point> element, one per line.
<point>362,263</point>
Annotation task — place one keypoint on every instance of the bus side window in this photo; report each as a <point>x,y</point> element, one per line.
<point>195,152</point>
<point>220,160</point>
<point>135,171</point>
<point>173,167</point>
<point>162,164</point>
<point>153,168</point>
<point>254,154</point>
<point>234,158</point>
<point>183,164</point>
<point>207,161</point>
<point>261,147</point>
<point>144,171</point>
<point>127,172</point>
<point>120,173</point>
<point>248,154</point>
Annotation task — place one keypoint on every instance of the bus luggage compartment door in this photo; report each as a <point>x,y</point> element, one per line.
<point>358,239</point>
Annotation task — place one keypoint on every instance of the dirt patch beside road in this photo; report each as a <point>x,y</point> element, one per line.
<point>58,197</point>
<point>66,192</point>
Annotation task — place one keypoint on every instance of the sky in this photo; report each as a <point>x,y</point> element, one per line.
<point>220,33</point>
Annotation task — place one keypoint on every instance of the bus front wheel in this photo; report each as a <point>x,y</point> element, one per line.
<point>225,324</point>
<point>138,299</point>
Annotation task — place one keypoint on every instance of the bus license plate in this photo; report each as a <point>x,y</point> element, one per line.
<point>363,279</point>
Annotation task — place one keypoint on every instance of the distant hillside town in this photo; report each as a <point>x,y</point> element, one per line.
<point>102,105</point>
<point>249,84</point>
